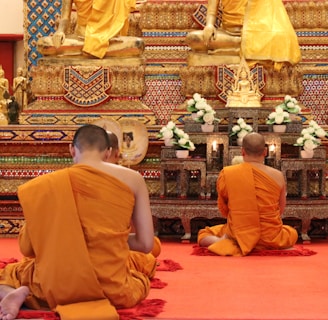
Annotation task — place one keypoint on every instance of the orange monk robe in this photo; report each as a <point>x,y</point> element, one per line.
<point>103,20</point>
<point>252,212</point>
<point>76,238</point>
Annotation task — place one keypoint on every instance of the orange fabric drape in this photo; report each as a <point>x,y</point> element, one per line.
<point>268,33</point>
<point>103,20</point>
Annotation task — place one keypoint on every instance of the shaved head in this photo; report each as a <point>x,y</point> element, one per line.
<point>254,144</point>
<point>91,137</point>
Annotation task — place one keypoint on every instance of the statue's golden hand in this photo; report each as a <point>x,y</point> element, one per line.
<point>209,34</point>
<point>58,39</point>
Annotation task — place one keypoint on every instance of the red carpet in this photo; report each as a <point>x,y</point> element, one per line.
<point>237,288</point>
<point>293,252</point>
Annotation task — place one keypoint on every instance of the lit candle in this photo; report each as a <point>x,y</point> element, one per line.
<point>272,149</point>
<point>214,147</point>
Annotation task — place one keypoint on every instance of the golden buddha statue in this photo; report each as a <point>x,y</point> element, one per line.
<point>4,94</point>
<point>101,31</point>
<point>20,84</point>
<point>248,28</point>
<point>244,92</point>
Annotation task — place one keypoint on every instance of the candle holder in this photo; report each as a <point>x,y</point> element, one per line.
<point>272,151</point>
<point>215,155</point>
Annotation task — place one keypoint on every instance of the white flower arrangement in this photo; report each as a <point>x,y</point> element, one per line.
<point>204,112</point>
<point>179,138</point>
<point>290,105</point>
<point>316,130</point>
<point>196,103</point>
<point>311,136</point>
<point>241,129</point>
<point>279,116</point>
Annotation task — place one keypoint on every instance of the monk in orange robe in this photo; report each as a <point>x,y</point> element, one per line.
<point>80,258</point>
<point>252,196</point>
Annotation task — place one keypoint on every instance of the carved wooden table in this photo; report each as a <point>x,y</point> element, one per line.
<point>183,209</point>
<point>183,166</point>
<point>306,210</point>
<point>305,165</point>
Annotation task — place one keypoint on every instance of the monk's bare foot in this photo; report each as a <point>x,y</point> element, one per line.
<point>11,303</point>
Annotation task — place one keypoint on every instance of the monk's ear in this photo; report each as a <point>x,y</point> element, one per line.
<point>107,155</point>
<point>72,150</point>
<point>265,152</point>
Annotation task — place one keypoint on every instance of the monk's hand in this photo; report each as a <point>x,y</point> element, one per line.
<point>209,34</point>
<point>58,39</point>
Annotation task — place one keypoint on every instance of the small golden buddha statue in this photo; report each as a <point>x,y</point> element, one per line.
<point>244,92</point>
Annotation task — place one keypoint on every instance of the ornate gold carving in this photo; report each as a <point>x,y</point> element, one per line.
<point>9,186</point>
<point>154,16</point>
<point>118,109</point>
<point>308,14</point>
<point>198,79</point>
<point>202,80</point>
<point>47,80</point>
<point>287,80</point>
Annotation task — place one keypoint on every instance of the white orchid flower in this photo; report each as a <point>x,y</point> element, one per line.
<point>279,110</point>
<point>286,115</point>
<point>167,134</point>
<point>190,102</point>
<point>307,136</point>
<point>300,141</point>
<point>242,133</point>
<point>279,119</point>
<point>243,125</point>
<point>182,141</point>
<point>236,128</point>
<point>200,113</point>
<point>170,125</point>
<point>179,132</point>
<point>208,118</point>
<point>208,108</point>
<point>309,145</point>
<point>310,130</point>
<point>320,133</point>
<point>201,104</point>
<point>191,146</point>
<point>186,136</point>
<point>197,97</point>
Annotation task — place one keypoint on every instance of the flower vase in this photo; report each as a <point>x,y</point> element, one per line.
<point>168,142</point>
<point>239,142</point>
<point>280,128</point>
<point>182,154</point>
<point>307,154</point>
<point>207,127</point>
